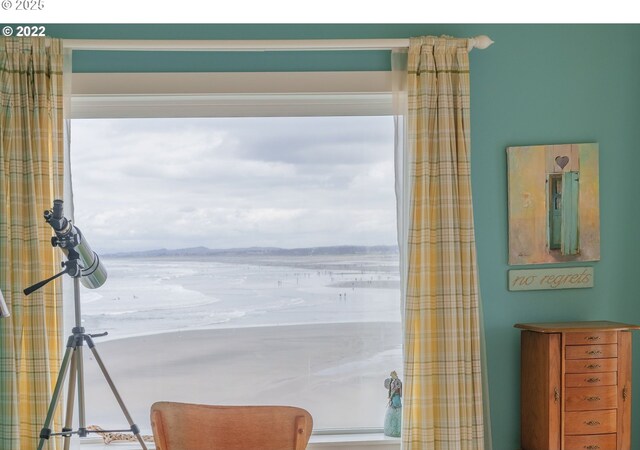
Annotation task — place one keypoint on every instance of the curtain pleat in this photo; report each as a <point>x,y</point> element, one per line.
<point>31,176</point>
<point>443,401</point>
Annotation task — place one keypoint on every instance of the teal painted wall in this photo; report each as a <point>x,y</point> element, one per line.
<point>538,84</point>
<point>548,85</point>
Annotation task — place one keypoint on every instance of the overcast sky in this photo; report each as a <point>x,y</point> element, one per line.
<point>143,184</point>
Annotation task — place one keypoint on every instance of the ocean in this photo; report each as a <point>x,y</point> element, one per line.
<point>155,295</point>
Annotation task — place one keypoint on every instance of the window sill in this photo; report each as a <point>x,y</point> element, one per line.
<point>331,441</point>
<point>353,442</point>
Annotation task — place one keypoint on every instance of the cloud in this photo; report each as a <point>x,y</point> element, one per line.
<point>318,141</point>
<point>288,182</point>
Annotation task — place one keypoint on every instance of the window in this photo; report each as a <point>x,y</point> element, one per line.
<point>250,260</point>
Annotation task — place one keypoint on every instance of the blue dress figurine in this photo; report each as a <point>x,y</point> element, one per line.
<point>393,417</point>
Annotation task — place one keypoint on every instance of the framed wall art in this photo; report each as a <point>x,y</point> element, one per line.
<point>554,212</point>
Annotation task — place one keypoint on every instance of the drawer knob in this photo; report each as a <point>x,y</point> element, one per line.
<point>591,447</point>
<point>593,352</point>
<point>593,366</point>
<point>592,423</point>
<point>593,380</point>
<point>592,338</point>
<point>593,399</point>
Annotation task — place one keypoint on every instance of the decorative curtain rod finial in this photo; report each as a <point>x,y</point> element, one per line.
<point>480,42</point>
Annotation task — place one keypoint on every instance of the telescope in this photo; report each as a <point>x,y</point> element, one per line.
<point>83,265</point>
<point>73,244</point>
<point>82,262</point>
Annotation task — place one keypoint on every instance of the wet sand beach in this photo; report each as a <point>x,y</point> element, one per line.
<point>291,364</point>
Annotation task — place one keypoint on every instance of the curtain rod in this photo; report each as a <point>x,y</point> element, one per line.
<point>480,42</point>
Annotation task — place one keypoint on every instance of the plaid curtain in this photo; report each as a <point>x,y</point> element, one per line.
<point>443,380</point>
<point>31,176</point>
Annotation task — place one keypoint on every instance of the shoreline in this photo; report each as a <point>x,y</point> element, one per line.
<point>358,263</point>
<point>108,338</point>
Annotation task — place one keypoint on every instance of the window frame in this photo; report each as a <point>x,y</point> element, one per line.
<point>240,94</point>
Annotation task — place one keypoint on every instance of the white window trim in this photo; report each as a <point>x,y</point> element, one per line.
<point>230,94</point>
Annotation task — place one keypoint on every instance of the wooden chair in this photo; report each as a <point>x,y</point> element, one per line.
<point>186,426</point>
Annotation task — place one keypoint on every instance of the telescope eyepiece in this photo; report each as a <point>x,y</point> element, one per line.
<point>57,212</point>
<point>55,218</point>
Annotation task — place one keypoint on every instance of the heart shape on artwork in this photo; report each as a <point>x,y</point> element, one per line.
<point>562,161</point>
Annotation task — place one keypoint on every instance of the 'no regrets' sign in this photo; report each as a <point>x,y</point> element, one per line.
<point>560,278</point>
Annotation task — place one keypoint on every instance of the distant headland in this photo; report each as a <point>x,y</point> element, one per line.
<point>262,251</point>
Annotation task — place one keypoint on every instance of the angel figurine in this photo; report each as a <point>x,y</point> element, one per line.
<point>393,417</point>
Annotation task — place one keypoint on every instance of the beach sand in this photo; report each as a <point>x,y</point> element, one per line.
<point>311,366</point>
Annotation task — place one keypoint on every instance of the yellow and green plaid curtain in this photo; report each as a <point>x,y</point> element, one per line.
<point>31,176</point>
<point>443,381</point>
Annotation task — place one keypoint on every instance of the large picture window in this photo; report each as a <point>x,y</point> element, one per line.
<point>250,261</point>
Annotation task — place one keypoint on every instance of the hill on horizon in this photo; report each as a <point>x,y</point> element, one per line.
<point>262,251</point>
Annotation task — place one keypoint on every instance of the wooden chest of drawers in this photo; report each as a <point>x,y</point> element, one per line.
<point>576,386</point>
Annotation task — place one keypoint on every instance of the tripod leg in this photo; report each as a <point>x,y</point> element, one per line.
<point>45,433</point>
<point>82,426</point>
<point>70,398</point>
<point>134,428</point>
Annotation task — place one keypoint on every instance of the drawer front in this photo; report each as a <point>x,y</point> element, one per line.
<point>590,442</point>
<point>591,365</point>
<point>590,422</point>
<point>591,379</point>
<point>590,398</point>
<point>591,351</point>
<point>596,337</point>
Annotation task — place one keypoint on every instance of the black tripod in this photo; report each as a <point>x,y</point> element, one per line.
<point>72,362</point>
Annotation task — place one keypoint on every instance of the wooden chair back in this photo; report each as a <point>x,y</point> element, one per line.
<point>187,426</point>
